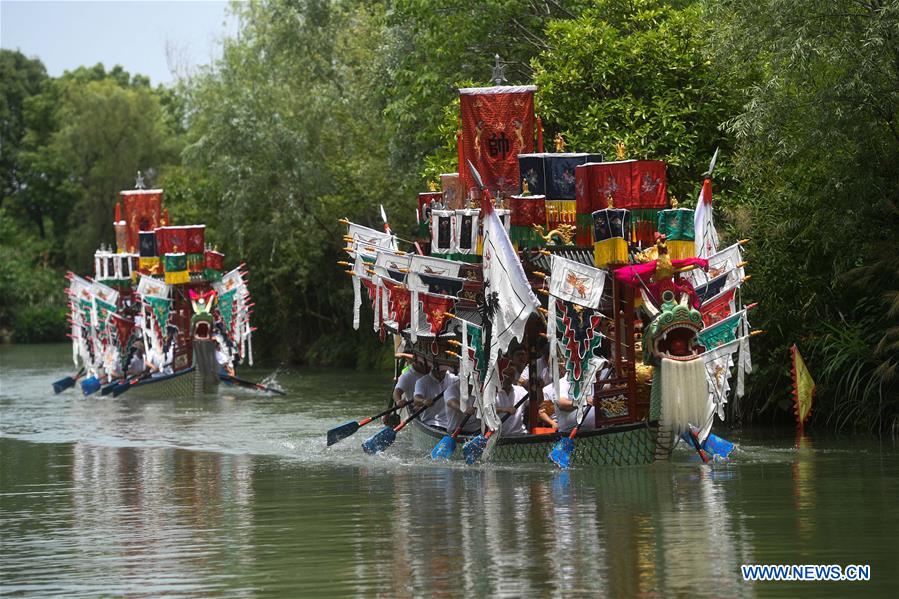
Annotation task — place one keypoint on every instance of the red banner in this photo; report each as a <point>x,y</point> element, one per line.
<point>143,212</point>
<point>398,303</point>
<point>435,308</point>
<point>497,126</point>
<point>718,308</point>
<point>631,183</point>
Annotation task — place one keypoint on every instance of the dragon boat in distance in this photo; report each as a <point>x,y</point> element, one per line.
<point>160,317</point>
<point>585,261</point>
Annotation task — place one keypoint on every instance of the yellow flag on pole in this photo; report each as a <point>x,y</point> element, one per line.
<point>803,387</point>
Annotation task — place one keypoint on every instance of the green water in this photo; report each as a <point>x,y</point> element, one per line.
<point>237,495</point>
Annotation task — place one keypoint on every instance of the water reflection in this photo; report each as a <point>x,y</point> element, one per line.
<point>626,532</point>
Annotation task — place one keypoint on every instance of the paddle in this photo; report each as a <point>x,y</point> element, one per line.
<point>713,444</point>
<point>385,437</point>
<point>694,441</point>
<point>343,431</point>
<point>564,447</point>
<point>233,379</point>
<point>66,382</point>
<point>447,445</point>
<point>475,447</point>
<point>127,384</point>
<point>90,385</point>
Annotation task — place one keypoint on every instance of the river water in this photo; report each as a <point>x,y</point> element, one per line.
<point>237,495</point>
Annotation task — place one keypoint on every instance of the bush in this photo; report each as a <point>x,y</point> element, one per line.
<point>39,324</point>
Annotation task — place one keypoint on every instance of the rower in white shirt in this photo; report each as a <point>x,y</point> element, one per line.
<point>454,413</point>
<point>433,390</point>
<point>506,398</point>
<point>404,390</point>
<point>566,408</point>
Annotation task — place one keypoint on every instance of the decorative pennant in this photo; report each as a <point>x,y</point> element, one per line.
<point>399,303</point>
<point>803,387</point>
<point>435,308</point>
<point>580,327</point>
<point>718,308</point>
<point>722,332</point>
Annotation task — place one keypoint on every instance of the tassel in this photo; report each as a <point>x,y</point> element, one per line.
<point>679,249</point>
<point>610,251</point>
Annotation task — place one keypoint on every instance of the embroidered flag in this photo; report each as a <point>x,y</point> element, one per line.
<point>723,331</point>
<point>428,266</point>
<point>392,265</point>
<point>150,286</point>
<point>724,261</point>
<point>575,282</point>
<point>718,308</point>
<point>803,387</point>
<point>497,126</point>
<point>398,303</point>
<point>442,241</point>
<point>465,231</point>
<point>369,240</point>
<point>718,364</point>
<point>435,308</point>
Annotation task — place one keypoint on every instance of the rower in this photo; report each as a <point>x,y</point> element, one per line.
<point>506,399</point>
<point>405,385</point>
<point>565,406</point>
<point>438,382</point>
<point>454,413</point>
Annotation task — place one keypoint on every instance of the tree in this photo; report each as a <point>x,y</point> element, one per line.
<point>637,71</point>
<point>818,147</point>
<point>20,78</point>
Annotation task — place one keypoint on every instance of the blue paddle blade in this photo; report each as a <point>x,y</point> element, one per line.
<point>380,441</point>
<point>561,452</point>
<point>444,448</point>
<point>718,446</point>
<point>342,432</point>
<point>473,449</point>
<point>90,385</point>
<point>63,384</point>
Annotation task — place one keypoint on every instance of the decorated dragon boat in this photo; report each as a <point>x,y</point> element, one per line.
<point>160,317</point>
<point>614,292</point>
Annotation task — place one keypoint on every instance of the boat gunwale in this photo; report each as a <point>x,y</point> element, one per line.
<point>548,437</point>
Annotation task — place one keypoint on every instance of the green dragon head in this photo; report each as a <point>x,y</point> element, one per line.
<point>673,332</point>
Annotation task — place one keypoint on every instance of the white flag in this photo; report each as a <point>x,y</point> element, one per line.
<point>577,283</point>
<point>506,283</point>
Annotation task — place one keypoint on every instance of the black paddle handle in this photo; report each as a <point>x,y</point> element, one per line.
<point>416,413</point>
<point>394,408</point>
<point>517,405</point>
<point>461,424</point>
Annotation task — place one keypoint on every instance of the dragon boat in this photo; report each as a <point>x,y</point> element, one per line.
<point>640,309</point>
<point>161,317</point>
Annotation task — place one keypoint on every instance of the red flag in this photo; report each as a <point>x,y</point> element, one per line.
<point>718,308</point>
<point>398,302</point>
<point>497,126</point>
<point>435,308</point>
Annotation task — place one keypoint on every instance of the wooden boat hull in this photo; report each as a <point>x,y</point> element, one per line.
<point>619,445</point>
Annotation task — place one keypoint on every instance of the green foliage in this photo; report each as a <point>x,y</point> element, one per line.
<point>817,145</point>
<point>637,72</point>
<point>40,324</point>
